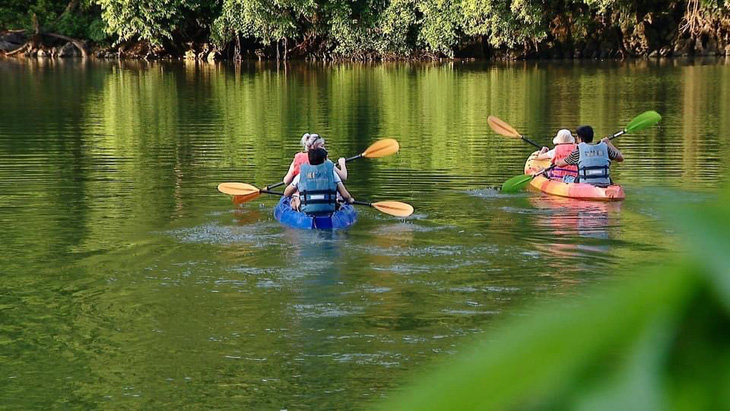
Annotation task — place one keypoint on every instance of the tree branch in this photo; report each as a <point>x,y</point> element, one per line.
<point>79,45</point>
<point>18,50</point>
<point>71,6</point>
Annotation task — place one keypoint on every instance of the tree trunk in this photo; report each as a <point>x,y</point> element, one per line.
<point>237,50</point>
<point>71,6</point>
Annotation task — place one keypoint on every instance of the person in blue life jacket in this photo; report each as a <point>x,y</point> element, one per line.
<point>593,160</point>
<point>318,184</point>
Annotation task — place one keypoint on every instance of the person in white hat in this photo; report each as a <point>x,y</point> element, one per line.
<point>310,142</point>
<point>562,137</point>
<point>564,145</point>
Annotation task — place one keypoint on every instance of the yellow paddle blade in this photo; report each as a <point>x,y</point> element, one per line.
<point>500,127</point>
<point>395,208</point>
<point>237,189</point>
<point>382,148</point>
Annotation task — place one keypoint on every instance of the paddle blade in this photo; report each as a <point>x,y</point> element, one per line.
<point>394,208</point>
<point>382,148</point>
<point>643,120</point>
<point>516,183</point>
<point>501,127</point>
<point>245,198</point>
<point>237,189</point>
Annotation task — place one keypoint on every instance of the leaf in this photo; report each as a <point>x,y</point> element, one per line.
<point>530,359</point>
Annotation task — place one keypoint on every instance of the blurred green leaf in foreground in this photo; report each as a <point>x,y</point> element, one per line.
<point>659,340</point>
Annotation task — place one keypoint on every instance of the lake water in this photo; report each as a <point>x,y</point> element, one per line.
<point>128,281</point>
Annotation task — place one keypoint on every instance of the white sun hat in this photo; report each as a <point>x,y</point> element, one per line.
<point>563,137</point>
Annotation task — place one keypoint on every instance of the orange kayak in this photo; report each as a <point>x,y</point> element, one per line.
<point>571,190</point>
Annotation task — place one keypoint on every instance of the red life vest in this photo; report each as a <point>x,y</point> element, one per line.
<point>299,159</point>
<point>562,151</point>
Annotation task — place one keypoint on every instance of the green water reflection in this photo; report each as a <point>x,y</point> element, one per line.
<point>128,281</point>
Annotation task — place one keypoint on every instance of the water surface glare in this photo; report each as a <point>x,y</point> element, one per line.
<point>128,281</point>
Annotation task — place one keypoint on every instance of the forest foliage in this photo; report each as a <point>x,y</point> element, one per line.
<point>364,29</point>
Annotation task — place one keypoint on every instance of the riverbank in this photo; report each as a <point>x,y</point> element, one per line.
<point>142,50</point>
<point>680,30</point>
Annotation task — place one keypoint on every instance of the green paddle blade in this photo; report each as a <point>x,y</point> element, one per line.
<point>642,121</point>
<point>516,183</point>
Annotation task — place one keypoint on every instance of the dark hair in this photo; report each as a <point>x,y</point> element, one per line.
<point>317,156</point>
<point>585,133</point>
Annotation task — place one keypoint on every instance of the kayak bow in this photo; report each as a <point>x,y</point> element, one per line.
<point>342,218</point>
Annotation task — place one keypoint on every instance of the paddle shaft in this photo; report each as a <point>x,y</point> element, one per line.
<point>614,135</point>
<point>617,134</point>
<point>281,183</point>
<point>281,194</point>
<point>544,171</point>
<point>530,141</point>
<point>365,203</point>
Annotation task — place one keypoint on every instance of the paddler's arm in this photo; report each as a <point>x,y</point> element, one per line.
<point>613,153</point>
<point>342,171</point>
<point>289,174</point>
<point>571,159</point>
<point>344,193</point>
<point>544,154</point>
<point>289,190</point>
<point>292,188</point>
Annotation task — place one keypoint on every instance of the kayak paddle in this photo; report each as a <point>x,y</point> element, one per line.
<point>243,192</point>
<point>501,127</point>
<point>394,208</point>
<point>517,183</point>
<point>638,123</point>
<point>379,149</point>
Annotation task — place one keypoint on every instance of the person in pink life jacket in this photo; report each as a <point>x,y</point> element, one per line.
<point>309,142</point>
<point>564,145</point>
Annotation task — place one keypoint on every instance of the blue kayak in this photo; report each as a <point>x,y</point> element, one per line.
<point>342,218</point>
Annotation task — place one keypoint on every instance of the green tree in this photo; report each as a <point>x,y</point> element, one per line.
<point>265,20</point>
<point>151,20</point>
<point>74,18</point>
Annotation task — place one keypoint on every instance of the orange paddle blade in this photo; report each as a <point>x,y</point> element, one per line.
<point>382,148</point>
<point>238,189</point>
<point>500,127</point>
<point>245,198</point>
<point>395,208</point>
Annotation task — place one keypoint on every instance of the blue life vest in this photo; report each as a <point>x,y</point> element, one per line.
<point>593,164</point>
<point>317,188</point>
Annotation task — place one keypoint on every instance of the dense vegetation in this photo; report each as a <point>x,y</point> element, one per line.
<point>383,29</point>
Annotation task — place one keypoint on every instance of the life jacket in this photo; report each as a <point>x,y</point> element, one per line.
<point>593,164</point>
<point>562,151</point>
<point>317,188</point>
<point>299,159</point>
